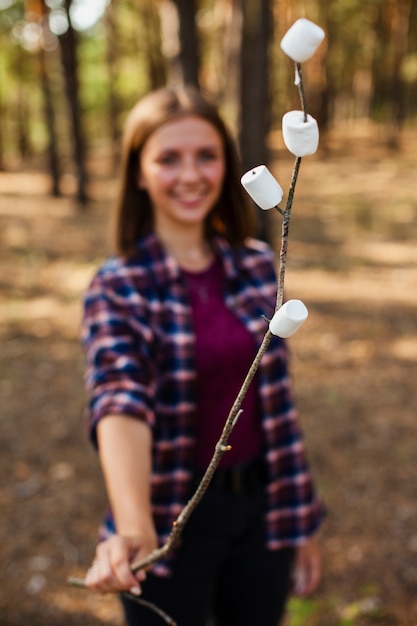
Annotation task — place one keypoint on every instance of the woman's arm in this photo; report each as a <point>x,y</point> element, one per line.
<point>125,454</point>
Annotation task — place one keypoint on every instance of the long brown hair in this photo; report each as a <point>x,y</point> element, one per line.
<point>232,216</point>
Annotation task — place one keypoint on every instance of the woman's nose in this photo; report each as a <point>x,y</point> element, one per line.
<point>189,170</point>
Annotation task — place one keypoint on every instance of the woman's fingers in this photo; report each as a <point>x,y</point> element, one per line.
<point>307,569</point>
<point>110,571</point>
<point>120,562</point>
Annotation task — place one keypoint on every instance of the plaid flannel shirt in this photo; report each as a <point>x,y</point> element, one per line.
<point>138,335</point>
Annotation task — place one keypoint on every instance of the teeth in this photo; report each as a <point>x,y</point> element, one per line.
<point>189,198</point>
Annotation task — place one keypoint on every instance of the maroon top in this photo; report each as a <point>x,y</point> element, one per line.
<point>224,352</point>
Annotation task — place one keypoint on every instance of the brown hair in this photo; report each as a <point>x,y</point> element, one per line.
<point>232,216</point>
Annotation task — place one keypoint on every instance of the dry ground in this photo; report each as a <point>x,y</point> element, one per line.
<point>352,260</point>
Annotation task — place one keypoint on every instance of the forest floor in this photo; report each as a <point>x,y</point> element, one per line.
<point>352,260</point>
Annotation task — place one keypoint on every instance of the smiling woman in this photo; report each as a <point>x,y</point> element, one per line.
<point>182,169</point>
<point>171,325</point>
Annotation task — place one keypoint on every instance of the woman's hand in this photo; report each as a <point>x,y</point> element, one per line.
<point>307,569</point>
<point>111,568</point>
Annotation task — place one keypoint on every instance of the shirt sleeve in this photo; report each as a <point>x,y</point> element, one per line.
<point>117,342</point>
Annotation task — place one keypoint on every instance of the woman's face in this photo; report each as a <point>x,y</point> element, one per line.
<point>182,167</point>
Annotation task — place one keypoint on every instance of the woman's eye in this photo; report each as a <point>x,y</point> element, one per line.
<point>168,159</point>
<point>208,155</point>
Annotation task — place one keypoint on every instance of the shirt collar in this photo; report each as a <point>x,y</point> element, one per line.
<point>166,268</point>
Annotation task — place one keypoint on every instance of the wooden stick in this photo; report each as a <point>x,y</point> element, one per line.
<point>222,445</point>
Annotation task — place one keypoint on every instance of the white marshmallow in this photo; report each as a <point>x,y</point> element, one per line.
<point>288,319</point>
<point>262,187</point>
<point>300,137</point>
<point>301,41</point>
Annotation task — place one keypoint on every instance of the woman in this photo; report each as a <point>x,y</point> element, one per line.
<point>171,325</point>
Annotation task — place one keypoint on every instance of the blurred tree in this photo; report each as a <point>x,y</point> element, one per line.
<point>179,40</point>
<point>3,104</point>
<point>319,80</point>
<point>254,81</point>
<point>367,67</point>
<point>2,150</point>
<point>189,57</point>
<point>112,58</point>
<point>10,17</point>
<point>399,21</point>
<point>22,105</point>
<point>37,14</point>
<point>53,155</point>
<point>68,47</point>
<point>153,44</point>
<point>255,104</point>
<point>229,62</point>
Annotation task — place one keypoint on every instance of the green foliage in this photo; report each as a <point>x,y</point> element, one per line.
<point>334,611</point>
<point>300,611</point>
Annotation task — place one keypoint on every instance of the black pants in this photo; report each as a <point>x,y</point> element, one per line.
<point>223,572</point>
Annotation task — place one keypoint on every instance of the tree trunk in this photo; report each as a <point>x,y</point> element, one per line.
<point>111,60</point>
<point>255,103</point>
<point>153,44</point>
<point>68,46</point>
<point>48,108</point>
<point>189,50</point>
<point>2,117</point>
<point>399,38</point>
<point>378,64</point>
<point>49,116</point>
<point>22,109</point>
<point>325,90</point>
<point>230,87</point>
<point>179,41</point>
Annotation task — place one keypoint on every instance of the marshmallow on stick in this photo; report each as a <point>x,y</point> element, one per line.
<point>262,187</point>
<point>288,319</point>
<point>300,137</point>
<point>301,41</point>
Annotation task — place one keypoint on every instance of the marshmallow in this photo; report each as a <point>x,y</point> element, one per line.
<point>301,41</point>
<point>288,319</point>
<point>262,187</point>
<point>300,137</point>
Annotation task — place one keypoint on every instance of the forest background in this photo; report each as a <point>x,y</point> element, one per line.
<point>70,69</point>
<point>69,73</point>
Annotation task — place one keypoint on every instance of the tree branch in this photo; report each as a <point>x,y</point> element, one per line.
<point>222,445</point>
